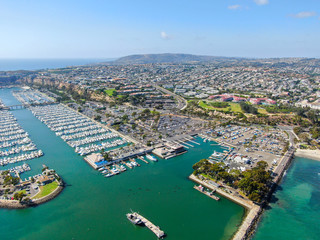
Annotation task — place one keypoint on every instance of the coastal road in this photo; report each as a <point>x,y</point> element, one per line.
<point>290,132</point>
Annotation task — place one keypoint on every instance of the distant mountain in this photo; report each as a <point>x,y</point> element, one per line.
<point>166,58</point>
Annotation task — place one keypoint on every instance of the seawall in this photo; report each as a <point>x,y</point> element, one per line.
<point>15,204</point>
<point>251,217</point>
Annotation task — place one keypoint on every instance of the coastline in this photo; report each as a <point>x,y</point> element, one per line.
<point>253,211</point>
<point>306,153</point>
<point>251,215</point>
<point>14,204</point>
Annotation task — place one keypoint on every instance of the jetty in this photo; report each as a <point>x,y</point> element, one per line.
<point>209,194</point>
<point>140,220</point>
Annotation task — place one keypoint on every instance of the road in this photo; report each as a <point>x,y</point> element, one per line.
<point>291,133</point>
<point>182,103</point>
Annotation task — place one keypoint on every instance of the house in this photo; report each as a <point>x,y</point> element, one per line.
<point>44,179</point>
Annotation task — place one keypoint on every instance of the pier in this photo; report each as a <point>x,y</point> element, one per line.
<point>23,106</point>
<point>142,159</point>
<point>209,194</point>
<point>155,229</point>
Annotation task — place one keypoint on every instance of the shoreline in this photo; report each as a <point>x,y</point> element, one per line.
<point>306,153</point>
<point>253,211</point>
<point>14,204</point>
<point>250,217</point>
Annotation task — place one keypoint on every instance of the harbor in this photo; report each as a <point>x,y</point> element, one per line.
<point>88,138</point>
<point>101,205</point>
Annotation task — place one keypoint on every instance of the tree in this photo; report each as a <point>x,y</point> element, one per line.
<point>97,118</point>
<point>19,196</point>
<point>107,157</point>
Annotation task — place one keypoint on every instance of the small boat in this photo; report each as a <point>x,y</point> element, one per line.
<point>134,219</point>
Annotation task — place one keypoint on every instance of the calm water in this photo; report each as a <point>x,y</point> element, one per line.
<point>36,64</point>
<point>94,207</point>
<point>295,212</point>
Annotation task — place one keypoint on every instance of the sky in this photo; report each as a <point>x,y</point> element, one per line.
<point>110,29</point>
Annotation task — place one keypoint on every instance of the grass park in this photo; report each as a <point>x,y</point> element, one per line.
<point>46,189</point>
<point>232,107</point>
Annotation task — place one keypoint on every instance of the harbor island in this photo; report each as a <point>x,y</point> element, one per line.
<point>38,189</point>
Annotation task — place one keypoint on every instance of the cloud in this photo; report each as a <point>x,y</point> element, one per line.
<point>234,7</point>
<point>261,2</point>
<point>165,36</point>
<point>304,14</point>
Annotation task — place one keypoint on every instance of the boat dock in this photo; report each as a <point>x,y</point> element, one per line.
<point>155,229</point>
<point>209,194</point>
<point>142,159</point>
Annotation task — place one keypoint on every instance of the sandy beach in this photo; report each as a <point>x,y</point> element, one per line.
<point>306,153</point>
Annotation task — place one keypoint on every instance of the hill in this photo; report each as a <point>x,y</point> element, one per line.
<point>165,58</point>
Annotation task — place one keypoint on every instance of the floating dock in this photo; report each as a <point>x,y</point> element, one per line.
<point>155,229</point>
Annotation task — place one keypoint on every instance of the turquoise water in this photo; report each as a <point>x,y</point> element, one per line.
<point>295,211</point>
<point>94,207</point>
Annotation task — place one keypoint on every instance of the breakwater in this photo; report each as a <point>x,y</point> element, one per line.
<point>252,210</point>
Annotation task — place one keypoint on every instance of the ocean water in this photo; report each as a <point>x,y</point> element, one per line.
<point>295,209</point>
<point>94,207</point>
<point>36,64</point>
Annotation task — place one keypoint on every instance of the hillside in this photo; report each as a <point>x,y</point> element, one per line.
<point>165,58</point>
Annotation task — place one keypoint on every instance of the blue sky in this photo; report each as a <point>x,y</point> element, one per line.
<point>108,29</point>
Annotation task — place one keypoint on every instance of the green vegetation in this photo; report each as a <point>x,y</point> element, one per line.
<point>110,92</point>
<point>105,155</point>
<point>247,108</point>
<point>10,180</point>
<point>221,106</point>
<point>97,118</point>
<point>46,189</point>
<point>280,109</point>
<point>19,196</point>
<point>262,111</point>
<point>253,183</point>
<point>315,132</point>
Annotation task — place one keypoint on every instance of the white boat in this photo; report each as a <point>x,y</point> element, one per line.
<point>152,158</point>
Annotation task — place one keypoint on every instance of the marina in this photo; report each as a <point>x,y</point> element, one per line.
<point>18,169</point>
<point>83,135</point>
<point>15,144</point>
<point>101,205</point>
<point>29,97</point>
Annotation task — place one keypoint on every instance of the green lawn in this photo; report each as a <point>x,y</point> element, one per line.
<point>109,91</point>
<point>46,189</point>
<point>23,191</point>
<point>262,111</point>
<point>235,107</point>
